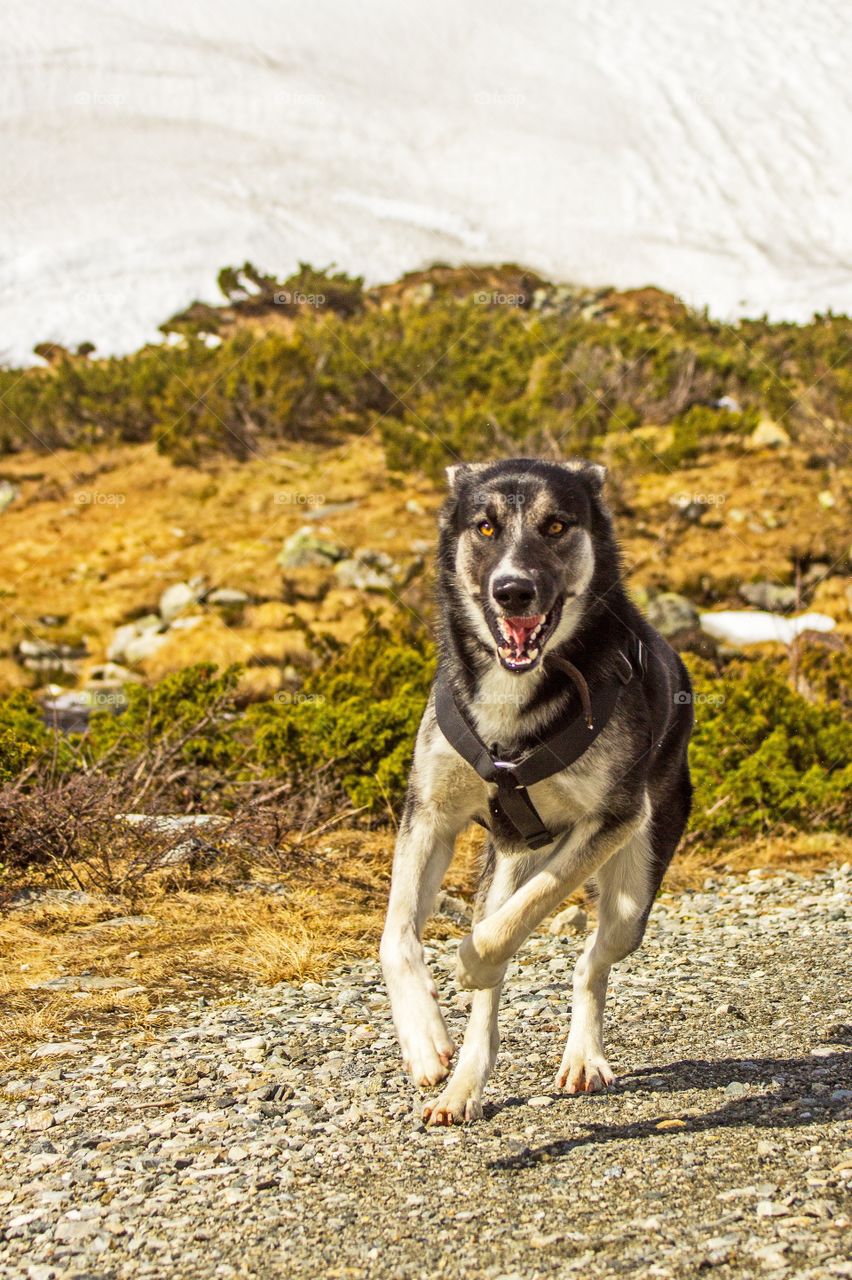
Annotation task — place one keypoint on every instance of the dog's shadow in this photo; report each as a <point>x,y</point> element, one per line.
<point>783,1107</point>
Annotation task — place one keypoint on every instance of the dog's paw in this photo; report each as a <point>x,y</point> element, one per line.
<point>427,1050</point>
<point>473,972</point>
<point>458,1104</point>
<point>584,1071</point>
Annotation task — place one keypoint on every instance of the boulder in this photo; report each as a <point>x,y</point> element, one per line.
<point>671,613</point>
<point>142,647</point>
<point>769,596</point>
<point>369,571</point>
<point>228,598</point>
<point>126,635</point>
<point>769,434</point>
<point>304,549</point>
<point>177,598</point>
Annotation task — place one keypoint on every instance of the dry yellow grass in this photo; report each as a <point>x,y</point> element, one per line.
<point>213,939</point>
<point>97,537</point>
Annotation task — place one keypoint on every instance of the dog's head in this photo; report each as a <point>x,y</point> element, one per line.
<point>518,541</point>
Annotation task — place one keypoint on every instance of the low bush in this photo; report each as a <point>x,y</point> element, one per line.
<point>453,375</point>
<point>763,757</point>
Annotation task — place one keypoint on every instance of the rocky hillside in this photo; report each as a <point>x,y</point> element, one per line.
<point>261,490</point>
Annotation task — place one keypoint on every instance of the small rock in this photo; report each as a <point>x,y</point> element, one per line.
<point>304,548</point>
<point>572,920</point>
<point>728,403</point>
<point>455,908</point>
<point>771,1256</point>
<point>8,494</point>
<point>769,596</point>
<point>728,1010</point>
<point>540,1100</point>
<point>59,1048</point>
<point>228,597</point>
<point>769,434</point>
<point>369,571</point>
<point>176,599</point>
<point>770,1209</point>
<point>140,648</point>
<point>131,632</point>
<point>255,1049</point>
<point>40,1119</point>
<point>671,613</point>
<point>736,1089</point>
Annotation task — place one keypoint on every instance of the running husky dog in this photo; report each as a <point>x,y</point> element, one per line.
<point>559,719</point>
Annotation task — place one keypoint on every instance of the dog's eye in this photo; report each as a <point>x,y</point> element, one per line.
<point>557,526</point>
<point>486,528</point>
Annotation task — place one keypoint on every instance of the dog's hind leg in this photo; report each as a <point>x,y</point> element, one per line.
<point>462,1096</point>
<point>626,884</point>
<point>423,852</point>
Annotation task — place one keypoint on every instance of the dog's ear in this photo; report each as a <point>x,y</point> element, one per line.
<point>455,473</point>
<point>593,473</point>
<point>460,472</point>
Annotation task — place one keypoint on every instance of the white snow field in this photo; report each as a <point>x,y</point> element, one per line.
<point>703,148</point>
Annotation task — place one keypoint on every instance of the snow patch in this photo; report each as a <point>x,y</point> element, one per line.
<point>747,626</point>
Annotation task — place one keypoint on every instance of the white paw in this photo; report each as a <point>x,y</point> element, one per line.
<point>473,972</point>
<point>458,1104</point>
<point>427,1050</point>
<point>584,1070</point>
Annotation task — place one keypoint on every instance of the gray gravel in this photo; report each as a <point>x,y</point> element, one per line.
<point>277,1137</point>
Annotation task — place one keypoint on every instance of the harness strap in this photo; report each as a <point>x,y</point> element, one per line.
<point>512,777</point>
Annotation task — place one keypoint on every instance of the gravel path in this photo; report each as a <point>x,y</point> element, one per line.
<point>276,1137</point>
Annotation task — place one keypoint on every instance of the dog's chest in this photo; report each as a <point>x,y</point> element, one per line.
<point>570,795</point>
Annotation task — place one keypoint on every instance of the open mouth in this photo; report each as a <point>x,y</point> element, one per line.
<point>520,640</point>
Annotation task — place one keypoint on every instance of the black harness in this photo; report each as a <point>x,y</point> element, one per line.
<point>512,778</point>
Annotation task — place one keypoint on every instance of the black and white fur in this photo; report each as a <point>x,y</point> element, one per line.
<point>532,541</point>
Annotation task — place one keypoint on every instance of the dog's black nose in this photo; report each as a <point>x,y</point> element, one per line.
<point>514,593</point>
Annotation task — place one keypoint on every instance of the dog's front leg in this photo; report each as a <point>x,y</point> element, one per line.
<point>423,852</point>
<point>461,1099</point>
<point>484,952</point>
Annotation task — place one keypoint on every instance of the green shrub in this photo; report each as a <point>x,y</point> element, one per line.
<point>448,377</point>
<point>357,715</point>
<point>764,758</point>
<point>25,739</point>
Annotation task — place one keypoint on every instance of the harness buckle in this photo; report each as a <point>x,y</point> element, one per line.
<point>508,767</point>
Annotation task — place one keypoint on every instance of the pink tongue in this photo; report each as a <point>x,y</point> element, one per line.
<point>517,629</point>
